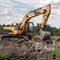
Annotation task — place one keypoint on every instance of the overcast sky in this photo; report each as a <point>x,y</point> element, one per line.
<point>13,11</point>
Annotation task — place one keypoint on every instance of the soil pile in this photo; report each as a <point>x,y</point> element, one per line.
<point>25,49</point>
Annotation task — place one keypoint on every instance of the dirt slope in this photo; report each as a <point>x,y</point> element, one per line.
<point>25,49</point>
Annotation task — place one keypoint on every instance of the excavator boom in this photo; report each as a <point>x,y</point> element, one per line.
<point>46,16</point>
<point>30,15</point>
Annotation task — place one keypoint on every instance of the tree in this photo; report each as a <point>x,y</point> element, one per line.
<point>17,24</point>
<point>37,28</point>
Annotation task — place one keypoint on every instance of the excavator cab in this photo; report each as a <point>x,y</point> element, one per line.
<point>31,27</point>
<point>29,30</point>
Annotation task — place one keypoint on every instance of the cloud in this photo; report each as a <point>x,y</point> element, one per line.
<point>32,2</point>
<point>6,12</point>
<point>12,11</point>
<point>55,1</point>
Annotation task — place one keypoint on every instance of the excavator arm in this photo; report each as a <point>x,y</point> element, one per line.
<point>45,16</point>
<point>45,35</point>
<point>30,15</point>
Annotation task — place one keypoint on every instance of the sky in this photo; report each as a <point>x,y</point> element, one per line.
<point>13,11</point>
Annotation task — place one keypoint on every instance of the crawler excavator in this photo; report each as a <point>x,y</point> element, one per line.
<point>26,28</point>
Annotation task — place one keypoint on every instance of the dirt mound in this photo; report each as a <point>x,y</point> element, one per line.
<point>25,49</point>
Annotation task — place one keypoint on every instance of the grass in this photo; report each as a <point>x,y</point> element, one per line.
<point>55,37</point>
<point>51,56</point>
<point>56,52</point>
<point>4,55</point>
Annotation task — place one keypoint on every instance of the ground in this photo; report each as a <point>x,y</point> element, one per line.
<point>24,49</point>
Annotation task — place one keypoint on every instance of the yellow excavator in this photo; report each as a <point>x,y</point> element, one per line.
<point>26,28</point>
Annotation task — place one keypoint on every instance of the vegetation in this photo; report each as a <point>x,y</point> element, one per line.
<point>1,29</point>
<point>36,29</point>
<point>4,56</point>
<point>53,30</point>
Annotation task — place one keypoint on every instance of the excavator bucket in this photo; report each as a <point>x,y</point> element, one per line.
<point>44,35</point>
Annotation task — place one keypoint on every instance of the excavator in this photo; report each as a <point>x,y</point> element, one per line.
<point>26,28</point>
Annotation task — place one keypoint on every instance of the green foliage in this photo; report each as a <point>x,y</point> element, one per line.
<point>36,29</point>
<point>4,56</point>
<point>57,49</point>
<point>53,30</point>
<point>1,29</point>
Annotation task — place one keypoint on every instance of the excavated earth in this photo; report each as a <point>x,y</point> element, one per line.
<point>24,49</point>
